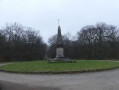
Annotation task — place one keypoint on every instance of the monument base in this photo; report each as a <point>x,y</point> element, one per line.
<point>61,59</point>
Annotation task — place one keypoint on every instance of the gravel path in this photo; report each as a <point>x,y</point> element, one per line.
<point>106,80</point>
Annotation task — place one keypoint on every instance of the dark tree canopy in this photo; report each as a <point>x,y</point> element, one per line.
<point>20,43</point>
<point>98,41</point>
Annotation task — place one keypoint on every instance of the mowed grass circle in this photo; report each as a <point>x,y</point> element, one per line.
<point>44,66</point>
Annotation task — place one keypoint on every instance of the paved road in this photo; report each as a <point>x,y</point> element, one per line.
<point>106,80</point>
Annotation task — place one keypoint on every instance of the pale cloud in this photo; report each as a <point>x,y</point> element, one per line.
<point>43,14</point>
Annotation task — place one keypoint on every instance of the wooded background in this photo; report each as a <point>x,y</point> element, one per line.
<point>19,43</point>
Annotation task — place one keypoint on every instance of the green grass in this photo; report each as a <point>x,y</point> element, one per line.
<point>43,66</point>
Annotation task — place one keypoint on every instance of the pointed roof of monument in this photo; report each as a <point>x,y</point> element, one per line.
<point>59,37</point>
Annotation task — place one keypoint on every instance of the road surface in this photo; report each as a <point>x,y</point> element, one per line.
<point>105,80</point>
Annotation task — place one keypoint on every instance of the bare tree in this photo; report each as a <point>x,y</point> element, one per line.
<point>22,43</point>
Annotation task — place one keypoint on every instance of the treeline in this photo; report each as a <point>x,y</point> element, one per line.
<point>19,43</point>
<point>100,41</point>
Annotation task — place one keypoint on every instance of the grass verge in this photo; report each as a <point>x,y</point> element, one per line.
<point>45,67</point>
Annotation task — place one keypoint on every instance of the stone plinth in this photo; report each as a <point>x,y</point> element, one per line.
<point>59,52</point>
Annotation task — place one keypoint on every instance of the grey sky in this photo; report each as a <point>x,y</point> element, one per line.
<point>73,14</point>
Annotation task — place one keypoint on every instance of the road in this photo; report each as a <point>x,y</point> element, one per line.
<point>105,80</point>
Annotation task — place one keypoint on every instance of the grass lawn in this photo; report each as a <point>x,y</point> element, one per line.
<point>44,66</point>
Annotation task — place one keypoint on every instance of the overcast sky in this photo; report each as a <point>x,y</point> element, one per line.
<point>43,15</point>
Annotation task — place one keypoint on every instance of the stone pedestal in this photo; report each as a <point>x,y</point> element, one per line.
<point>59,52</point>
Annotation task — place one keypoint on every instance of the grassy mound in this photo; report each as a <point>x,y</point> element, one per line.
<point>44,66</point>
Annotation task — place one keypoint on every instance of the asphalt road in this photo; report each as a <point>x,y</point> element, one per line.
<point>105,80</point>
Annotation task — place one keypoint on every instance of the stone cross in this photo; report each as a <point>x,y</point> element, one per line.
<point>60,47</point>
